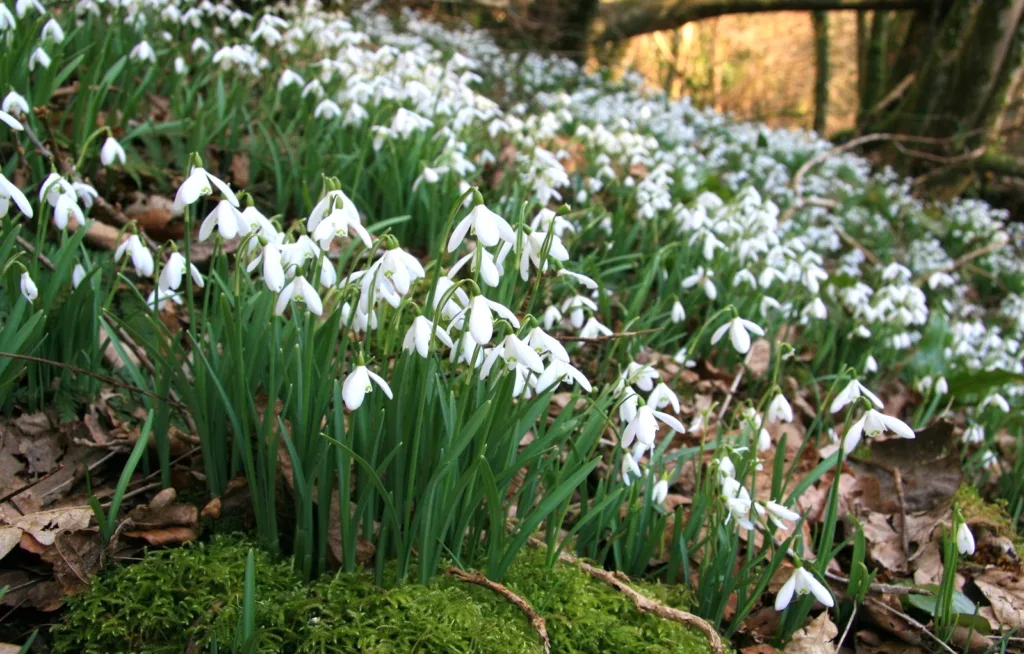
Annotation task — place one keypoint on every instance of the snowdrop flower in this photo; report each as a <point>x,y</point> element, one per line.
<point>629,468</point>
<point>870,365</point>
<point>77,275</point>
<point>342,220</point>
<point>488,227</point>
<point>779,409</point>
<point>289,78</point>
<point>66,210</point>
<point>852,391</point>
<point>85,192</point>
<point>559,372</point>
<point>587,282</point>
<point>273,270</point>
<point>543,343</point>
<point>678,314</point>
<point>142,258</point>
<point>28,287</point>
<point>38,58</point>
<point>663,396</point>
<point>517,352</point>
<point>643,427</point>
<point>299,290</point>
<point>702,278</point>
<point>419,335</point>
<point>200,183</point>
<point>481,261</point>
<point>974,434</point>
<point>964,539</point>
<point>574,306</point>
<point>174,270</point>
<point>52,31</point>
<point>640,374</point>
<point>15,103</point>
<point>998,400</point>
<point>8,192</point>
<point>357,385</point>
<point>159,298</point>
<point>111,152</point>
<point>551,317</point>
<point>660,492</point>
<point>594,329</point>
<point>327,109</point>
<point>21,8</point>
<point>800,583</point>
<point>10,121</point>
<point>481,320</point>
<point>941,386</point>
<point>227,219</point>
<point>180,67</point>
<point>143,51</point>
<point>737,501</point>
<point>738,329</point>
<point>533,248</point>
<point>873,423</point>
<point>777,513</point>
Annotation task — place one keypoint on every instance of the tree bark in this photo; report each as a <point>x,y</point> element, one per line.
<point>821,72</point>
<point>622,19</point>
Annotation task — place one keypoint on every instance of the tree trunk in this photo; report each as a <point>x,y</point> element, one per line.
<point>821,73</point>
<point>874,65</point>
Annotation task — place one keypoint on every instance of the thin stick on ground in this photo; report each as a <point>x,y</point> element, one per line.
<point>536,621</point>
<point>642,603</point>
<point>912,622</point>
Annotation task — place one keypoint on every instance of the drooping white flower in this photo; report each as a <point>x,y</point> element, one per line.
<point>10,121</point>
<point>702,278</point>
<point>995,399</point>
<point>66,211</point>
<point>663,396</point>
<point>488,227</point>
<point>802,582</point>
<point>594,329</point>
<point>587,282</point>
<point>551,317</point>
<point>575,306</point>
<point>142,51</point>
<point>8,192</point>
<point>226,219</point>
<point>534,248</point>
<point>964,539</point>
<point>481,320</point>
<point>200,183</point>
<point>640,374</point>
<point>779,409</point>
<point>543,343</point>
<point>559,372</point>
<point>38,58</point>
<point>852,391</point>
<point>737,502</point>
<point>111,152</point>
<point>629,468</point>
<point>273,270</point>
<point>873,423</point>
<point>777,513</point>
<point>739,333</point>
<point>420,334</point>
<point>142,258</point>
<point>52,31</point>
<point>357,385</point>
<point>870,365</point>
<point>15,103</point>
<point>678,313</point>
<point>28,287</point>
<point>974,434</point>
<point>299,290</point>
<point>159,297</point>
<point>77,275</point>
<point>174,270</point>
<point>643,427</point>
<point>660,492</point>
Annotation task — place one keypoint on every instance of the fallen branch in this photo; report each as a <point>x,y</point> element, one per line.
<point>536,621</point>
<point>912,622</point>
<point>609,337</point>
<point>642,603</point>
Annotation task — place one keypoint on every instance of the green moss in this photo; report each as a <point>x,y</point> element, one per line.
<point>990,514</point>
<point>175,597</point>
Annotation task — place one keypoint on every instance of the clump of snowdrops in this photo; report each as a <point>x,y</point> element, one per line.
<point>445,371</point>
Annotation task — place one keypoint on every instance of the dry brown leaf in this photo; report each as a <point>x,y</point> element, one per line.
<point>75,557</point>
<point>45,525</point>
<point>212,509</point>
<point>9,539</point>
<point>759,359</point>
<point>885,544</point>
<point>1004,589</point>
<point>164,537</point>
<point>6,648</point>
<point>163,498</point>
<point>172,515</point>
<point>815,638</point>
<point>868,642</point>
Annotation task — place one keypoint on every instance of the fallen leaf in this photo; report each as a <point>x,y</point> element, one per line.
<point>75,557</point>
<point>815,638</point>
<point>759,359</point>
<point>1004,589</point>
<point>163,498</point>
<point>164,537</point>
<point>172,515</point>
<point>212,509</point>
<point>45,525</point>
<point>9,539</point>
<point>6,648</point>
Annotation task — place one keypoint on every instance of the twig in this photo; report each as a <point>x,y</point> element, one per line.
<point>38,255</point>
<point>102,378</point>
<point>732,388</point>
<point>901,497</point>
<point>536,621</point>
<point>846,631</point>
<point>941,159</point>
<point>18,491</point>
<point>643,603</point>
<point>912,622</point>
<point>854,243</point>
<point>90,468</point>
<point>609,337</point>
<point>882,589</point>
<point>965,259</point>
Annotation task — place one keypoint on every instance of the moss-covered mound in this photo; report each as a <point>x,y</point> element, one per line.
<point>175,598</point>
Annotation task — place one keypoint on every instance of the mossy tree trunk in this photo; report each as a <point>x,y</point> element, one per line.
<point>821,72</point>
